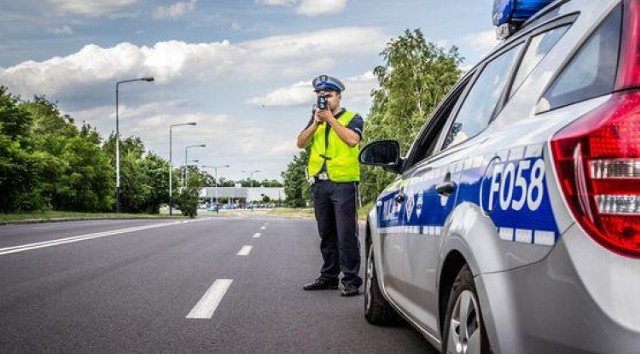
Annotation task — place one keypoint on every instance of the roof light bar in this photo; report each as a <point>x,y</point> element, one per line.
<point>509,14</point>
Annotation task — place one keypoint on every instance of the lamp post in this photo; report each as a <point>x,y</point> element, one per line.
<point>215,170</point>
<point>186,152</point>
<point>147,79</point>
<point>251,175</point>
<point>171,163</point>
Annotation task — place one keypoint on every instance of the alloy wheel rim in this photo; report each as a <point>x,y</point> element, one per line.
<point>369,278</point>
<point>464,328</point>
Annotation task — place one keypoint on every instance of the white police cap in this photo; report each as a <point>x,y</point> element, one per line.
<point>326,82</point>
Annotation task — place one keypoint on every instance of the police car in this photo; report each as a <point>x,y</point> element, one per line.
<point>514,223</point>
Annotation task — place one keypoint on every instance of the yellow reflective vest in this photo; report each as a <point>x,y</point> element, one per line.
<point>342,160</point>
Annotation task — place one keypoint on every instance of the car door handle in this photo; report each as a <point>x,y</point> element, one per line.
<point>446,188</point>
<point>400,197</point>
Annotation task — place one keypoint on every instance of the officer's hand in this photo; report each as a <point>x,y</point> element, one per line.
<point>324,115</point>
<point>316,118</point>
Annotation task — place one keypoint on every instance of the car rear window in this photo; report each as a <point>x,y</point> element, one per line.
<point>592,70</point>
<point>538,48</point>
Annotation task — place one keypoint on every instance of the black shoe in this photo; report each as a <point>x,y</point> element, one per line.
<point>350,291</point>
<point>321,284</point>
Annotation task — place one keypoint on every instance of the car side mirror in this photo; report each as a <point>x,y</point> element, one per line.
<point>385,153</point>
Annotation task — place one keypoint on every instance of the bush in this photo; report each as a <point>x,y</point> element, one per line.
<point>187,202</point>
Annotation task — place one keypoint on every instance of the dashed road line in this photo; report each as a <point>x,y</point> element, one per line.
<point>245,250</point>
<point>256,235</point>
<point>207,305</point>
<point>263,228</point>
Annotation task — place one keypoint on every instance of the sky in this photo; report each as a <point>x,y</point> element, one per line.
<point>241,69</point>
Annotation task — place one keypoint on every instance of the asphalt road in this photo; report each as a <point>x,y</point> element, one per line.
<point>152,285</point>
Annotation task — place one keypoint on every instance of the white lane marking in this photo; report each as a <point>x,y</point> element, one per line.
<point>62,241</point>
<point>245,250</point>
<point>262,228</point>
<point>208,303</point>
<point>256,235</point>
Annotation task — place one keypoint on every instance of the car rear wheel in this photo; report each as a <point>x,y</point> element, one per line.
<point>464,331</point>
<point>377,309</point>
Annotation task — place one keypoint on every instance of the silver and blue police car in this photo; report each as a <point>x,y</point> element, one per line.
<point>514,223</point>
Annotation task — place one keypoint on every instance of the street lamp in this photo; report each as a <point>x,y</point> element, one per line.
<point>186,151</point>
<point>171,163</point>
<point>147,79</point>
<point>215,169</point>
<point>251,175</point>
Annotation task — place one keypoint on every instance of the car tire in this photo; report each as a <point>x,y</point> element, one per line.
<point>464,331</point>
<point>377,309</point>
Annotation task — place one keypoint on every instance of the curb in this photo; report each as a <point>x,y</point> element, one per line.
<point>56,220</point>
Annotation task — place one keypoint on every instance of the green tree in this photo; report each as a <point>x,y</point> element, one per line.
<point>134,189</point>
<point>48,120</point>
<point>18,176</point>
<point>415,77</point>
<point>78,174</point>
<point>247,182</point>
<point>89,133</point>
<point>21,168</point>
<point>222,182</point>
<point>271,183</point>
<point>86,183</point>
<point>187,200</point>
<point>156,175</point>
<point>296,186</point>
<point>15,122</point>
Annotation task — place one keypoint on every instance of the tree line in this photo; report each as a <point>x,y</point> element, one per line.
<point>414,77</point>
<point>47,162</point>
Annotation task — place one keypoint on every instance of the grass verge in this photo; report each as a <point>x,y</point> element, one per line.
<point>295,212</point>
<point>308,212</point>
<point>44,216</point>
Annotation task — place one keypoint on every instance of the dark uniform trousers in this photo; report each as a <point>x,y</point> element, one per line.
<point>335,209</point>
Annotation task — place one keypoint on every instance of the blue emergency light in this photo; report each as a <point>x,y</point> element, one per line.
<point>509,14</point>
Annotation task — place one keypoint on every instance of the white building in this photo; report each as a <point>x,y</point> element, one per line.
<point>243,194</point>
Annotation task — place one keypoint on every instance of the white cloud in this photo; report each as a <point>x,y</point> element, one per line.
<point>92,8</point>
<point>62,30</point>
<point>236,26</point>
<point>93,66</point>
<point>309,7</point>
<point>286,146</point>
<point>314,7</point>
<point>178,9</point>
<point>298,94</point>
<point>219,132</point>
<point>482,41</point>
<point>301,94</point>
<point>277,2</point>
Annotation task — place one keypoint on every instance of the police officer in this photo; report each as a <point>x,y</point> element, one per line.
<point>334,134</point>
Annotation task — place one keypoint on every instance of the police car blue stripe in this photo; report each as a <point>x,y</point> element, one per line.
<point>517,192</point>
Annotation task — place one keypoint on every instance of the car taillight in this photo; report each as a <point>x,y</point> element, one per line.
<point>597,160</point>
<point>597,157</point>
